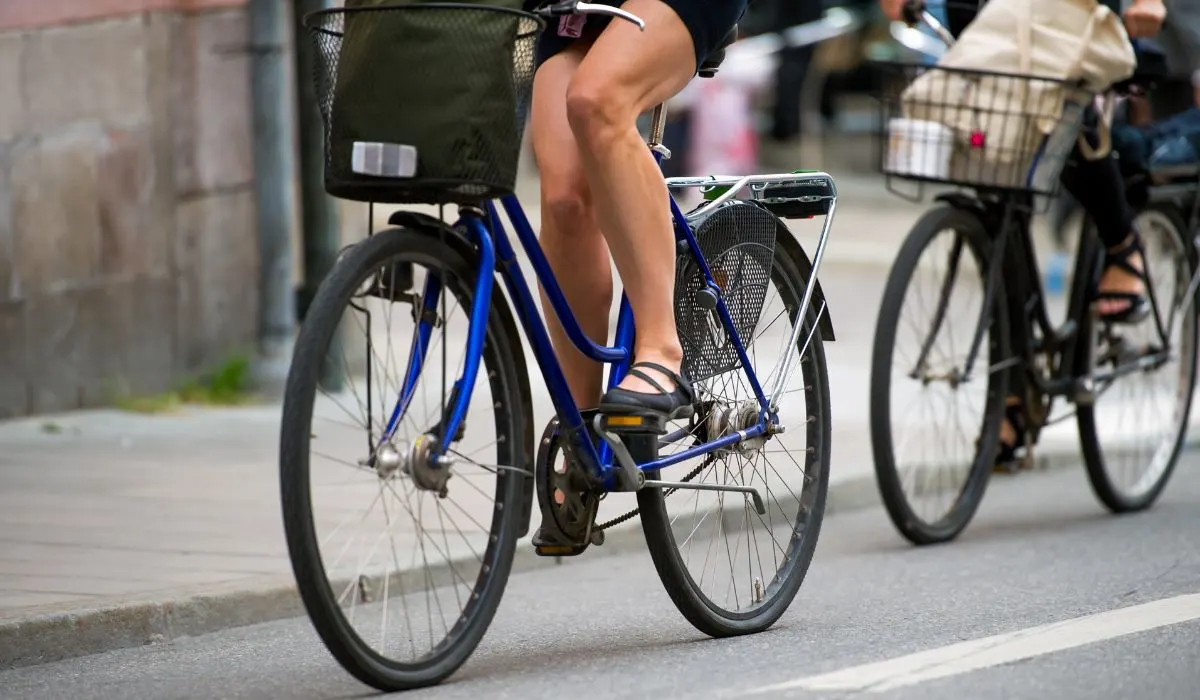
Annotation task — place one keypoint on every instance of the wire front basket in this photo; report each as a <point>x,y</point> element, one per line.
<point>988,131</point>
<point>423,102</point>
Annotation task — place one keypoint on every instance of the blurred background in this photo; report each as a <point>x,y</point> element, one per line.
<point>161,214</point>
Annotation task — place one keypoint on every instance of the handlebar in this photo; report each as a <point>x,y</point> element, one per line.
<point>574,7</point>
<point>914,13</point>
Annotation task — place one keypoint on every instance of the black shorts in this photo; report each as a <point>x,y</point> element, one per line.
<point>708,21</point>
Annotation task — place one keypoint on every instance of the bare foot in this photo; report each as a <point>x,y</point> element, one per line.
<point>1008,432</point>
<point>1119,280</point>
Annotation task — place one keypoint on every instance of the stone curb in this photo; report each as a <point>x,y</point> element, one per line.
<point>58,632</point>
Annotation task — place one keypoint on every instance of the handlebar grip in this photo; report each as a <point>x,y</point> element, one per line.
<point>559,9</point>
<point>911,14</point>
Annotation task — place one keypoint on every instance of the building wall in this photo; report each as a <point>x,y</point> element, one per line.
<point>128,250</point>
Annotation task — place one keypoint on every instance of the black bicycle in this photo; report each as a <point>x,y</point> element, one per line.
<point>978,246</point>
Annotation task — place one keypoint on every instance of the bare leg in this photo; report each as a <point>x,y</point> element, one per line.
<point>625,73</point>
<point>570,236</point>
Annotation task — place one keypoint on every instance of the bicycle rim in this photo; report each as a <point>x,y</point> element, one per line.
<point>932,460</point>
<point>727,568</point>
<point>399,581</point>
<point>1132,434</point>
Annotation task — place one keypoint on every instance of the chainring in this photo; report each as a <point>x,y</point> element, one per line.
<point>560,478</point>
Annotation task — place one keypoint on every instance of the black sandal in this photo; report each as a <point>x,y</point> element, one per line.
<point>1139,303</point>
<point>636,411</point>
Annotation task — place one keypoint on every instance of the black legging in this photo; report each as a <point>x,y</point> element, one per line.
<point>1096,184</point>
<point>1100,189</point>
<point>793,68</point>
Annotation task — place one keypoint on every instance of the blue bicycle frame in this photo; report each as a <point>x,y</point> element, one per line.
<point>486,231</point>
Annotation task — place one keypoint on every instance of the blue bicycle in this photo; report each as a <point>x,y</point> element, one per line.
<point>409,465</point>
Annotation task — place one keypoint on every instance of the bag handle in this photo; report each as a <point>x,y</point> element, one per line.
<point>1104,108</point>
<point>1104,105</point>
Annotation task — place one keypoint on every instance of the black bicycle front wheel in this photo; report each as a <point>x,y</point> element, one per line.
<point>954,453</point>
<point>402,586</point>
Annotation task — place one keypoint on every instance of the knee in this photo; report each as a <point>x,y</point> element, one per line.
<point>597,109</point>
<point>566,203</point>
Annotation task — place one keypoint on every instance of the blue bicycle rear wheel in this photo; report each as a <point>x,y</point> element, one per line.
<point>728,569</point>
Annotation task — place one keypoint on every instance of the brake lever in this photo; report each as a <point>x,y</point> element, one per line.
<point>589,8</point>
<point>574,7</point>
<point>938,28</point>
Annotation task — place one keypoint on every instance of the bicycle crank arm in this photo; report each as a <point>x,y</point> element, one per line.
<point>759,506</point>
<point>629,476</point>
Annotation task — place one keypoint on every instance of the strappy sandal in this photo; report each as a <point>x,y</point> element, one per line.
<point>1139,303</point>
<point>635,411</point>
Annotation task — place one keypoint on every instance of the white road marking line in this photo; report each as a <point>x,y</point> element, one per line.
<point>1000,649</point>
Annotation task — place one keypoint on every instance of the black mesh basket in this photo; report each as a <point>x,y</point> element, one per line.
<point>738,243</point>
<point>978,129</point>
<point>423,102</point>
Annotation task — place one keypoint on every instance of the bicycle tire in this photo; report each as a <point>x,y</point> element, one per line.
<point>324,318</point>
<point>887,477</point>
<point>672,570</point>
<point>1089,438</point>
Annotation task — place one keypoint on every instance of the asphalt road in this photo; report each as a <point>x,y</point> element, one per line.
<point>1041,551</point>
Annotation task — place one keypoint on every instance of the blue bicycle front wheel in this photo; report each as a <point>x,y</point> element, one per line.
<point>400,555</point>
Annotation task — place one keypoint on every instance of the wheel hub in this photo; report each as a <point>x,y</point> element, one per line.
<point>725,420</point>
<point>428,471</point>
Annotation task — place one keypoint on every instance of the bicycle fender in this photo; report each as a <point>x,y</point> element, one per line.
<point>430,226</point>
<point>784,237</point>
<point>962,200</point>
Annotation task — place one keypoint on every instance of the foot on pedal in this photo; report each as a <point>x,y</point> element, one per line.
<point>627,411</point>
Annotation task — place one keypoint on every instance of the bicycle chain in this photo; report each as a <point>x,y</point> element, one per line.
<point>623,518</point>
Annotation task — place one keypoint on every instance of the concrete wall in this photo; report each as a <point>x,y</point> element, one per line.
<point>128,253</point>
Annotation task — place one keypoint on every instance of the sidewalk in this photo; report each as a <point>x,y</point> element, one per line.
<point>119,529</point>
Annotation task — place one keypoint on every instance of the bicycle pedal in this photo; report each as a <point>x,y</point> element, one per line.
<point>559,550</point>
<point>553,546</point>
<point>633,424</point>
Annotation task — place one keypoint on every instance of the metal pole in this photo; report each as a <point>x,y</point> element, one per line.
<point>274,166</point>
<point>319,211</point>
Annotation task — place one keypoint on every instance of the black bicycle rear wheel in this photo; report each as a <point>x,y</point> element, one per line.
<point>1131,450</point>
<point>968,241</point>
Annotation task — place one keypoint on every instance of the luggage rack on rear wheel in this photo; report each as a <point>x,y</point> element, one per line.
<point>799,195</point>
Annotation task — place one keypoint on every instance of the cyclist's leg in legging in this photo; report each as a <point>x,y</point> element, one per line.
<point>1100,190</point>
